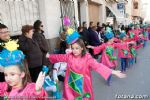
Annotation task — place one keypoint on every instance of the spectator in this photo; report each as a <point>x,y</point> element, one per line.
<point>31,49</point>
<point>40,38</point>
<point>86,32</point>
<point>83,35</point>
<point>93,37</point>
<point>4,37</point>
<point>90,26</point>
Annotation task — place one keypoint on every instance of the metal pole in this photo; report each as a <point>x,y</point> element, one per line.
<point>61,12</point>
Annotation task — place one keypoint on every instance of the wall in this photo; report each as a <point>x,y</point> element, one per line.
<point>84,10</point>
<point>50,15</point>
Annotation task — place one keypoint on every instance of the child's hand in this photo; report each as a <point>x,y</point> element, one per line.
<point>47,55</point>
<point>118,74</point>
<point>40,82</point>
<point>89,46</point>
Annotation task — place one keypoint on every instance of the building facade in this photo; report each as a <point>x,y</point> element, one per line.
<point>16,13</point>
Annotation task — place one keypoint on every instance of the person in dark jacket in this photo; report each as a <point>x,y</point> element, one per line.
<point>32,51</point>
<point>90,26</point>
<point>85,32</point>
<point>94,40</point>
<point>83,35</point>
<point>4,37</point>
<point>39,36</point>
<point>102,32</point>
<point>93,37</point>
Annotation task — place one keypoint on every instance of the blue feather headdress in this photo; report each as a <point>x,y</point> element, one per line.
<point>109,33</point>
<point>122,34</point>
<point>10,55</point>
<point>72,36</point>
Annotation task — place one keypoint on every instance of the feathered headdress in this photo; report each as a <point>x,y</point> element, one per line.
<point>72,36</point>
<point>131,25</point>
<point>10,55</point>
<point>122,34</point>
<point>109,33</point>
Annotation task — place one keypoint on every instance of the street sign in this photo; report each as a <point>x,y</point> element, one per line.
<point>120,6</point>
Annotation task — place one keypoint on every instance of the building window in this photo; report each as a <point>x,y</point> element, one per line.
<point>135,5</point>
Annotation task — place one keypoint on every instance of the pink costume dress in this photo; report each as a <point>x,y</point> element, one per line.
<point>28,93</point>
<point>123,49</point>
<point>106,59</point>
<point>133,52</point>
<point>134,34</point>
<point>78,80</point>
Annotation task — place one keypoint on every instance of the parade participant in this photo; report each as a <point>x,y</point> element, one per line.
<point>108,57</point>
<point>18,85</point>
<point>78,82</point>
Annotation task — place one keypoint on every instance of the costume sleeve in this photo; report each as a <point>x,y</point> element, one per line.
<point>138,46</point>
<point>117,40</point>
<point>30,91</point>
<point>103,70</point>
<point>117,45</point>
<point>120,45</point>
<point>54,58</point>
<point>98,49</point>
<point>2,88</point>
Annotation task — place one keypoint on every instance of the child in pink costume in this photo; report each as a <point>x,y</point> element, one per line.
<point>18,85</point>
<point>78,83</point>
<point>108,57</point>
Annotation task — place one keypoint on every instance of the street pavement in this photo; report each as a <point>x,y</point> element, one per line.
<point>136,86</point>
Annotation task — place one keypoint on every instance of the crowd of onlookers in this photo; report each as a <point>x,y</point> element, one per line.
<point>33,44</point>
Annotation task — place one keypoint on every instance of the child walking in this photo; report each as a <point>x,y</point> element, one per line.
<point>18,85</point>
<point>78,73</point>
<point>108,57</point>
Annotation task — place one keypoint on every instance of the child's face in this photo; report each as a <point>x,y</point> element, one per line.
<point>76,49</point>
<point>124,38</point>
<point>111,40</point>
<point>13,76</point>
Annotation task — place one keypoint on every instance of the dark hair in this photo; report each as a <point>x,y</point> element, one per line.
<point>98,23</point>
<point>23,67</point>
<point>3,26</point>
<point>103,25</point>
<point>82,45</point>
<point>79,28</point>
<point>37,25</point>
<point>83,23</point>
<point>91,23</point>
<point>26,28</point>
